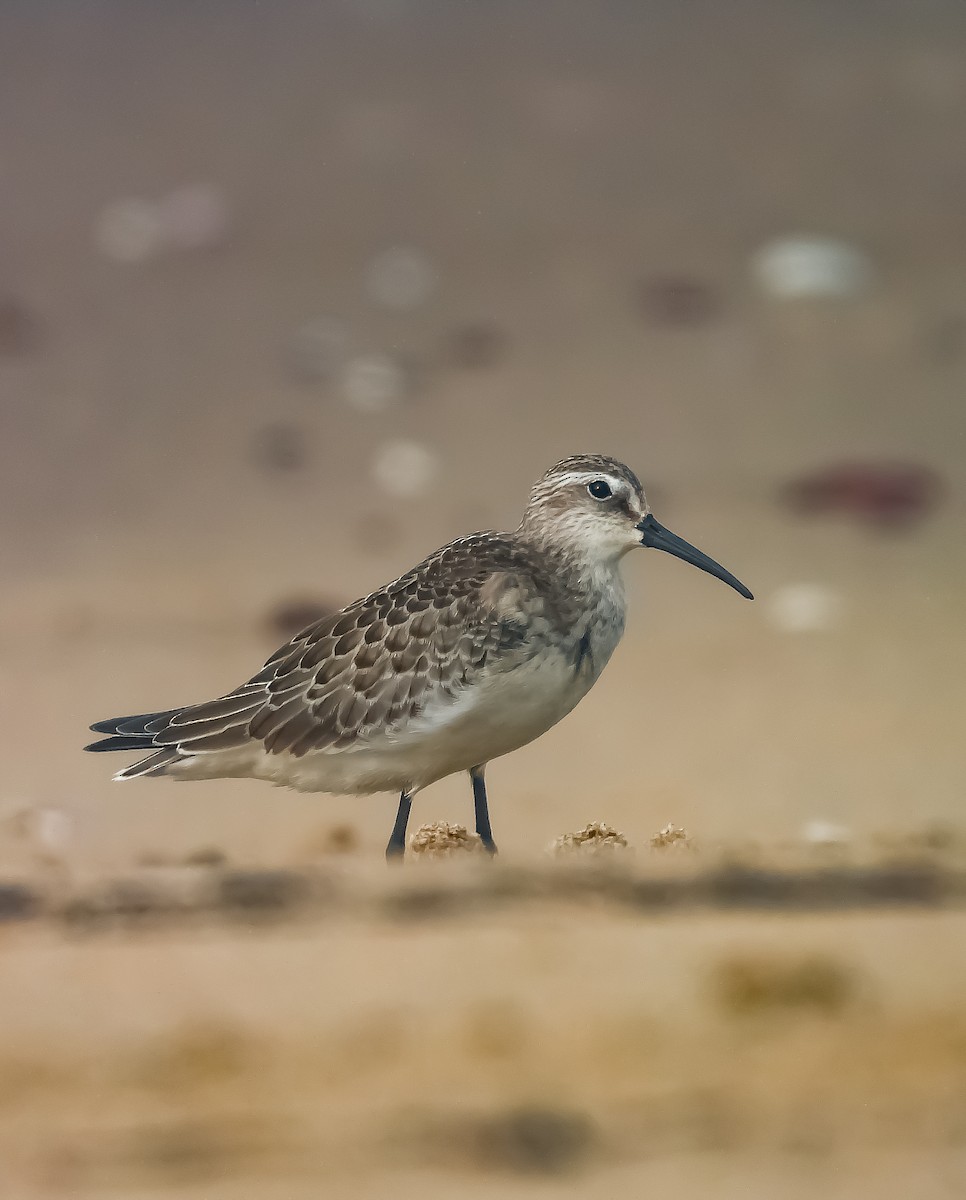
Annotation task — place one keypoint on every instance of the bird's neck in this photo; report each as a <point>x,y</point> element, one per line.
<point>582,570</point>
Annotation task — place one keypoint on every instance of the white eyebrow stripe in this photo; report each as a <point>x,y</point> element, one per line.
<point>616,483</point>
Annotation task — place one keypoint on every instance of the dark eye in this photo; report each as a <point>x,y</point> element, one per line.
<point>599,489</point>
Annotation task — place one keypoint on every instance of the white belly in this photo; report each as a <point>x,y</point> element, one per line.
<point>502,711</point>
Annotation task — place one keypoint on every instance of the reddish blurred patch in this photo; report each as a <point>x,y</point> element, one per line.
<point>889,495</point>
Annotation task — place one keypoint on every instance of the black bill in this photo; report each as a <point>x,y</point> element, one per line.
<point>655,535</point>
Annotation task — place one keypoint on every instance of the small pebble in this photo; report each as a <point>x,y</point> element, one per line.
<point>826,834</point>
<point>401,278</point>
<point>194,217</point>
<point>811,267</point>
<point>374,383</point>
<point>404,469</point>
<point>804,608</point>
<point>317,349</point>
<point>130,230</point>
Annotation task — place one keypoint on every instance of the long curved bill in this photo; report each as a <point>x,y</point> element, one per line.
<point>655,535</point>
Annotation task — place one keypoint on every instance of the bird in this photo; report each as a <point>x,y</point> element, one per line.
<point>470,655</point>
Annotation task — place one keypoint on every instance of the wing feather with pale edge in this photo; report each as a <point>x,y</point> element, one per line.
<point>376,665</point>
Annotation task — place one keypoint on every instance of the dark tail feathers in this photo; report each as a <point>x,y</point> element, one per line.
<point>130,733</point>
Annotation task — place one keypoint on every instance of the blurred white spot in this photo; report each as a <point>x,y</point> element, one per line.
<point>804,607</point>
<point>825,833</point>
<point>194,216</point>
<point>54,829</point>
<point>50,829</point>
<point>811,268</point>
<point>129,230</point>
<point>317,348</point>
<point>400,278</point>
<point>404,468</point>
<point>373,383</point>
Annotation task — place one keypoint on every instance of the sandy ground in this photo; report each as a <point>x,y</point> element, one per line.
<point>548,161</point>
<point>397,1041</point>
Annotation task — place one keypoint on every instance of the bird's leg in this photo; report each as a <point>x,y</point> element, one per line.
<point>482,812</point>
<point>397,841</point>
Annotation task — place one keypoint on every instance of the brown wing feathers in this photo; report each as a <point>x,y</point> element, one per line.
<point>371,667</point>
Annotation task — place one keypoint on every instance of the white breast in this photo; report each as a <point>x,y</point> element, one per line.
<point>502,711</point>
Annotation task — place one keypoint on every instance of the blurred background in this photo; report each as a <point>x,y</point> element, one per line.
<point>292,293</point>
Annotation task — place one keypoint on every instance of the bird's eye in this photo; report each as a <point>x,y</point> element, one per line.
<point>599,489</point>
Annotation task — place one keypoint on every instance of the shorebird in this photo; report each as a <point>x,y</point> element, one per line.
<point>473,653</point>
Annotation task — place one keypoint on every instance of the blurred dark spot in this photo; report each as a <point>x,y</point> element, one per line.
<point>17,902</point>
<point>265,893</point>
<point>749,985</point>
<point>905,883</point>
<point>290,617</point>
<point>188,1151</point>
<point>417,903</point>
<point>193,1056</point>
<point>133,900</point>
<point>941,837</point>
<point>712,1122</point>
<point>677,300</point>
<point>378,532</point>
<point>206,856</point>
<point>82,914</point>
<point>534,1140</point>
<point>476,345</point>
<point>888,495</point>
<point>19,329</point>
<point>183,1152</point>
<point>496,1029</point>
<point>341,839</point>
<point>154,858</point>
<point>279,448</point>
<point>946,340</point>
<point>810,1132</point>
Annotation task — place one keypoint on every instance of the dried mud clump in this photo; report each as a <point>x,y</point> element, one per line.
<point>747,985</point>
<point>671,835</point>
<point>440,839</point>
<point>594,839</point>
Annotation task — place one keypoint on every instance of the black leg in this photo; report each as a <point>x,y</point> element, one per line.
<point>482,812</point>
<point>397,841</point>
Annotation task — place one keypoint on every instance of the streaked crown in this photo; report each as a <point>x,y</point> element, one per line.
<point>588,503</point>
